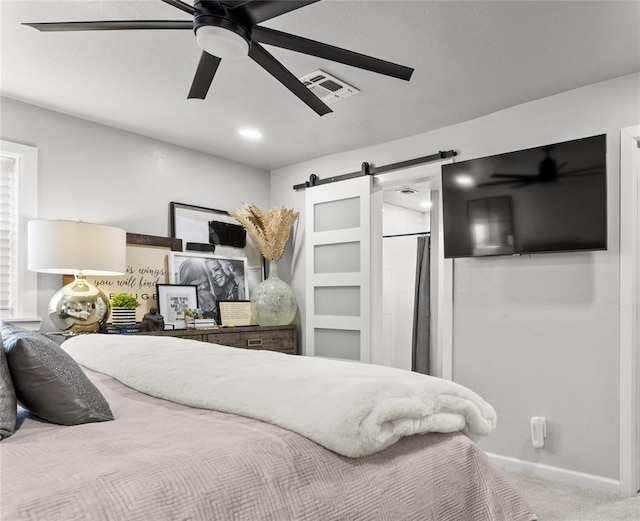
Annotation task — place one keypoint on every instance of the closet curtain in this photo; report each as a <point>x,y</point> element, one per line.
<point>422,312</point>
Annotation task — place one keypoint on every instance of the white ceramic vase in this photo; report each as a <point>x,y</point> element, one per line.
<point>272,301</point>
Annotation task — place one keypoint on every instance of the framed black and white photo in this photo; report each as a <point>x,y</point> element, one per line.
<point>173,299</point>
<point>215,232</point>
<point>216,278</point>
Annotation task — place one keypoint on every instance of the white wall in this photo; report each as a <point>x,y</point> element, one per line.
<point>98,174</point>
<point>398,220</point>
<point>533,335</point>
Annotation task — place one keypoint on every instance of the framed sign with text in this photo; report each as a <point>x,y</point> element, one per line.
<point>235,313</point>
<point>173,300</point>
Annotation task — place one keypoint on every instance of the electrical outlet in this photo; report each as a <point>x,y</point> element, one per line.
<point>538,431</point>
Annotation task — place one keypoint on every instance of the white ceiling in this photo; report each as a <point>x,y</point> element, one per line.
<point>470,59</point>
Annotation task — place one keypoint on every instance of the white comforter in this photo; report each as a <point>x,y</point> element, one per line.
<point>350,408</point>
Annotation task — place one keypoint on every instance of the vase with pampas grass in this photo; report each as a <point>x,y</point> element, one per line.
<point>272,301</point>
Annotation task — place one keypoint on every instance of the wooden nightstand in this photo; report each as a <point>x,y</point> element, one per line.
<point>274,338</point>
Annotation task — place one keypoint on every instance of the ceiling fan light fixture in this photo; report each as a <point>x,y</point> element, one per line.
<point>221,42</point>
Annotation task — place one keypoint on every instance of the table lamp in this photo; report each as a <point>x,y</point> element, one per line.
<point>79,249</point>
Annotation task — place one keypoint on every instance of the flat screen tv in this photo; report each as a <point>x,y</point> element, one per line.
<point>545,199</point>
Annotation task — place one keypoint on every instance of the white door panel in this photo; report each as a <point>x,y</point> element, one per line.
<point>339,269</point>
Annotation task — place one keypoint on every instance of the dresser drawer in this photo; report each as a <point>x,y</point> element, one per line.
<point>225,339</point>
<point>272,340</point>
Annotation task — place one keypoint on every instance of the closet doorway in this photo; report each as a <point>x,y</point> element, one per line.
<point>406,227</point>
<point>416,283</point>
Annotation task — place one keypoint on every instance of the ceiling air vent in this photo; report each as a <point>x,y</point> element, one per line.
<point>407,190</point>
<point>328,88</point>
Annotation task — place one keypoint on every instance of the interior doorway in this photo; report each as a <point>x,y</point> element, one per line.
<point>412,209</point>
<point>406,220</point>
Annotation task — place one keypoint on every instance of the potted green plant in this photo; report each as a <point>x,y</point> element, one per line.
<point>190,317</point>
<point>123,310</point>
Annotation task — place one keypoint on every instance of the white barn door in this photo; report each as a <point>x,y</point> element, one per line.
<point>343,267</point>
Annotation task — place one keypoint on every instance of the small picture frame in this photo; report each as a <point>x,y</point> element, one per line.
<point>235,313</point>
<point>173,299</point>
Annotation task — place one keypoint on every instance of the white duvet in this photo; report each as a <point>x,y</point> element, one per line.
<point>350,408</point>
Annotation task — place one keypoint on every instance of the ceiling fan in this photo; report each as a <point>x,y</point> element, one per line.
<point>228,29</point>
<point>548,172</point>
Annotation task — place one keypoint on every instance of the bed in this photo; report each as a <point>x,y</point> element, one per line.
<point>162,460</point>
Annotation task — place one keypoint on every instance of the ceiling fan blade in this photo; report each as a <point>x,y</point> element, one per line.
<point>533,177</point>
<point>581,171</point>
<point>214,6</point>
<point>263,10</point>
<point>114,25</point>
<point>495,183</point>
<point>204,75</point>
<point>232,4</point>
<point>260,55</point>
<point>513,182</point>
<point>181,5</point>
<point>329,52</point>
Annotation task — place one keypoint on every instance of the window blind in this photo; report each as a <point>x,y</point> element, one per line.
<point>8,232</point>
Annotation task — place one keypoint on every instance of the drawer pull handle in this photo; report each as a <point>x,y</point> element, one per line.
<point>254,342</point>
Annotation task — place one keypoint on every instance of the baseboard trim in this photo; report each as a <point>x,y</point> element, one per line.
<point>591,481</point>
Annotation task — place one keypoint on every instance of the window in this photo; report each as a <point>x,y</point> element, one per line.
<point>18,205</point>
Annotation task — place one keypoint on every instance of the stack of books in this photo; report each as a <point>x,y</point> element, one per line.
<point>111,329</point>
<point>201,323</point>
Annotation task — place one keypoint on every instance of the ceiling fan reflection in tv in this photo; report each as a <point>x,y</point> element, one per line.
<point>548,172</point>
<point>228,29</point>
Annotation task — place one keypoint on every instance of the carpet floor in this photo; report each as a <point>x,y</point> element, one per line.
<point>557,501</point>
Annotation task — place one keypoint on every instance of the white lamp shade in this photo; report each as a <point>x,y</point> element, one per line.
<point>72,247</point>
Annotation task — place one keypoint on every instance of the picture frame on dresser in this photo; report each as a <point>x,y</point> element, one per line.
<point>235,313</point>
<point>215,232</point>
<point>173,299</point>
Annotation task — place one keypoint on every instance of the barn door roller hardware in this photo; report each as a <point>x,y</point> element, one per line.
<point>367,169</point>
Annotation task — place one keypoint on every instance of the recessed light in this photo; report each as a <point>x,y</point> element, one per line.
<point>251,134</point>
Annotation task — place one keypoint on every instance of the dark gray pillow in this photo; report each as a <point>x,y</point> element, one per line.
<point>8,405</point>
<point>48,382</point>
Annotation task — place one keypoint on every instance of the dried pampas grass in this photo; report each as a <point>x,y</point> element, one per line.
<point>269,231</point>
